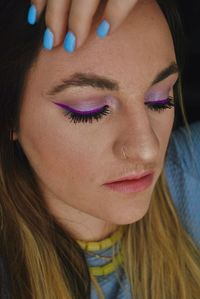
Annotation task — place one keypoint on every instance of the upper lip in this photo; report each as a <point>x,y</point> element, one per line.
<point>132,177</point>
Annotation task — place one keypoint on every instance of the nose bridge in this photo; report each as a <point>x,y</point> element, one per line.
<point>138,136</point>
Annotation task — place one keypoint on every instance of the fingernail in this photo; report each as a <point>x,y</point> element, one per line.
<point>32,15</point>
<point>103,29</point>
<point>70,42</point>
<point>48,39</point>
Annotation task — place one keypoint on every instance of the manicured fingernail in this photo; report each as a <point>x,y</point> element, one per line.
<point>48,39</point>
<point>32,15</point>
<point>103,29</point>
<point>70,42</point>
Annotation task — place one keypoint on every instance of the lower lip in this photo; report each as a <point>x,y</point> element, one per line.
<point>130,186</point>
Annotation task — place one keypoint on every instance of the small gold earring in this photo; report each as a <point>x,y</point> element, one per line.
<point>13,135</point>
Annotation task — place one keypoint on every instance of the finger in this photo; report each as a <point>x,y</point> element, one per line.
<point>116,12</point>
<point>80,18</point>
<point>35,11</point>
<point>56,19</point>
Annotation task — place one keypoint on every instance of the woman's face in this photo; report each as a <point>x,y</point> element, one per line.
<point>74,160</point>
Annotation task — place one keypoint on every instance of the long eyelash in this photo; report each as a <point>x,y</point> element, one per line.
<point>160,107</point>
<point>75,117</point>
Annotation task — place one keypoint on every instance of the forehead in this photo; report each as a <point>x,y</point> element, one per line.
<point>132,54</point>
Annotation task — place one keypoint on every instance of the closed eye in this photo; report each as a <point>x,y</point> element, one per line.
<point>97,114</point>
<point>161,105</point>
<point>86,116</point>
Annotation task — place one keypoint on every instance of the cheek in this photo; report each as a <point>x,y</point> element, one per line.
<point>58,156</point>
<point>163,128</point>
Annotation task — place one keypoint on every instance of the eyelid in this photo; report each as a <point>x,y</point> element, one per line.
<point>89,104</point>
<point>160,101</point>
<point>159,92</point>
<point>66,107</point>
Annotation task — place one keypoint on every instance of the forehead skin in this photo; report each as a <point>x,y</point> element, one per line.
<point>142,45</point>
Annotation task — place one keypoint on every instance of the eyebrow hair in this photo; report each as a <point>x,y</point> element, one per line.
<point>101,82</point>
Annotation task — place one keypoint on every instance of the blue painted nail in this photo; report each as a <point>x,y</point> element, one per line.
<point>32,15</point>
<point>70,42</point>
<point>103,29</point>
<point>48,39</point>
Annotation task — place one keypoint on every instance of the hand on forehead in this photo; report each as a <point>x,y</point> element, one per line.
<point>70,21</point>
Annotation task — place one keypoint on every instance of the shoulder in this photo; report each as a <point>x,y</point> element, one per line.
<point>184,148</point>
<point>182,169</point>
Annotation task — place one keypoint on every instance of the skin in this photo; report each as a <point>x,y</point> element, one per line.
<point>73,161</point>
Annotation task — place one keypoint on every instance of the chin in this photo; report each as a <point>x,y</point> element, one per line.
<point>130,218</point>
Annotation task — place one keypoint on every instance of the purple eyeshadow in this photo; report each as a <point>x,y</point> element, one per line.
<point>78,111</point>
<point>164,101</point>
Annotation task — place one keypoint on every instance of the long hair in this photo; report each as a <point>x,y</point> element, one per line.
<point>160,258</point>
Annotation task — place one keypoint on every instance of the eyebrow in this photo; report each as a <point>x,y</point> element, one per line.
<point>101,82</point>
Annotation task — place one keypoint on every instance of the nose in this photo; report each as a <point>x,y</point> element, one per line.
<point>139,139</point>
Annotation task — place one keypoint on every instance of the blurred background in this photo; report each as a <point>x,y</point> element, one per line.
<point>190,14</point>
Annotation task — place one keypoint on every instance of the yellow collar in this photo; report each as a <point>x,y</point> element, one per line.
<point>103,244</point>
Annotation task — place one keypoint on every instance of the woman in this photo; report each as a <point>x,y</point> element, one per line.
<point>58,213</point>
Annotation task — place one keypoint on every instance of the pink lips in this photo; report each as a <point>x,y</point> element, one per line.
<point>132,185</point>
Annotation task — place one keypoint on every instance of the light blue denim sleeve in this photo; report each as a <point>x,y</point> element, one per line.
<point>182,169</point>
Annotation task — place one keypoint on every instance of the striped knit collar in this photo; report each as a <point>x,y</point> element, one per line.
<point>99,253</point>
